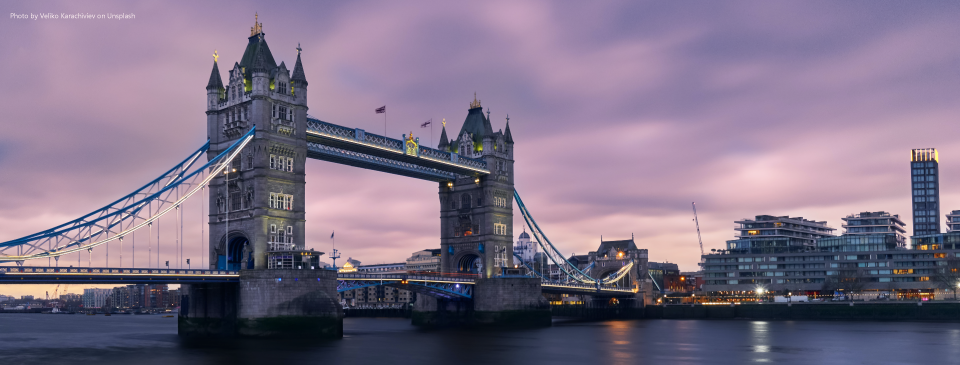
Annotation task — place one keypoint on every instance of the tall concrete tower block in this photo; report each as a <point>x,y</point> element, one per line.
<point>260,200</point>
<point>476,213</point>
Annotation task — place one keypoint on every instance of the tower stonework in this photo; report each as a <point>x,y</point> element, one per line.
<point>476,214</point>
<point>260,200</point>
<point>257,210</point>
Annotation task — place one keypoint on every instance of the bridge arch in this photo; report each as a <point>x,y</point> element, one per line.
<point>235,254</point>
<point>467,263</point>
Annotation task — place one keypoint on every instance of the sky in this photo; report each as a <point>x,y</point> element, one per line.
<point>623,113</point>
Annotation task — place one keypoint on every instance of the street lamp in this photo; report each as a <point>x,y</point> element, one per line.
<point>760,290</point>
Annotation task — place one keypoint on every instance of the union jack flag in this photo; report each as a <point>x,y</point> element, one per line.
<point>382,109</point>
<point>427,123</point>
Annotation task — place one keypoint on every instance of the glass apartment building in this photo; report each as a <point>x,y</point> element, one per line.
<point>872,249</point>
<point>777,234</point>
<point>953,221</point>
<point>925,182</point>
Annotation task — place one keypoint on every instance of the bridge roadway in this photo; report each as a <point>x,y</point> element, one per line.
<point>436,284</point>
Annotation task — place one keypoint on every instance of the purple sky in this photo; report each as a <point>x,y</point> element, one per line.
<point>623,113</point>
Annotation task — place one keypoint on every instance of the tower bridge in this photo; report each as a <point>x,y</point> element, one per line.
<point>261,279</point>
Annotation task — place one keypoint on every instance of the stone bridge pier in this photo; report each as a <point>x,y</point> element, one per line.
<point>266,303</point>
<point>497,302</point>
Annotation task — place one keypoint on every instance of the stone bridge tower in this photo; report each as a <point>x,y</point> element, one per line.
<point>260,201</point>
<point>476,214</point>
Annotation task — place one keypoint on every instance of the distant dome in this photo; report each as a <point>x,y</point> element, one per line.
<point>525,235</point>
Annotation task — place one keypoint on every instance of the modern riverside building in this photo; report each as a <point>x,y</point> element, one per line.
<point>874,223</point>
<point>925,172</point>
<point>953,221</point>
<point>777,234</point>
<point>866,257</point>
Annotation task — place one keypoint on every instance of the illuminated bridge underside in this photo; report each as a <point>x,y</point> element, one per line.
<point>355,147</point>
<point>436,286</point>
<point>84,275</point>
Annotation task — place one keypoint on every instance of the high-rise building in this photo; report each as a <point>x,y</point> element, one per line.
<point>95,298</point>
<point>925,172</point>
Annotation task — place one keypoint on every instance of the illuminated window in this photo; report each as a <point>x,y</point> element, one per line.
<point>499,228</point>
<point>281,201</point>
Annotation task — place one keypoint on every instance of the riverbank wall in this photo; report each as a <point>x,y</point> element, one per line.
<point>892,311</point>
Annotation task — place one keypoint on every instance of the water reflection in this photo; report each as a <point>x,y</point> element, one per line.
<point>144,340</point>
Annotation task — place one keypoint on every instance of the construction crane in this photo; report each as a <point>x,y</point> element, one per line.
<point>695,220</point>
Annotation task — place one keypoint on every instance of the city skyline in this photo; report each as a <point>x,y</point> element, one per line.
<point>622,115</point>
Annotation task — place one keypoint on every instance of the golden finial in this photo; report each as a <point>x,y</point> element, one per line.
<point>475,103</point>
<point>215,57</point>
<point>444,122</point>
<point>257,26</point>
<point>411,136</point>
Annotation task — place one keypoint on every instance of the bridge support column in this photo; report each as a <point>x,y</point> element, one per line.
<point>266,303</point>
<point>431,311</point>
<point>510,302</point>
<point>289,303</point>
<point>208,310</point>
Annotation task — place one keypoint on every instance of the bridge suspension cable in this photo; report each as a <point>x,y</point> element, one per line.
<point>571,270</point>
<point>127,214</point>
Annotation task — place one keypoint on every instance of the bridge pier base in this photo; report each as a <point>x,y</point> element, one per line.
<point>431,311</point>
<point>497,302</point>
<point>510,302</point>
<point>208,310</point>
<point>266,303</point>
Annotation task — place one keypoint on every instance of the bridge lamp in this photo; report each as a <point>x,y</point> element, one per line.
<point>477,180</point>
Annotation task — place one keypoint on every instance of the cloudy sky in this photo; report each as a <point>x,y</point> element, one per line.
<point>623,112</point>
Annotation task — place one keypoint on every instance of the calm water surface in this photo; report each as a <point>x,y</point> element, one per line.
<point>58,339</point>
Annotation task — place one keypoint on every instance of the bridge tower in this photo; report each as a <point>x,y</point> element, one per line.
<point>260,201</point>
<point>476,214</point>
<point>257,209</point>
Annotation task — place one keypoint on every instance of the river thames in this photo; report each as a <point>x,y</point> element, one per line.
<point>125,339</point>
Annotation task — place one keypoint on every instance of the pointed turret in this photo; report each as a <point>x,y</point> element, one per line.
<point>476,123</point>
<point>444,141</point>
<point>260,62</point>
<point>215,82</point>
<point>298,70</point>
<point>507,136</point>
